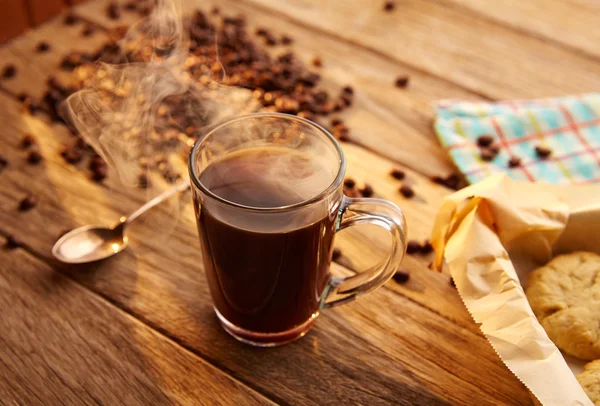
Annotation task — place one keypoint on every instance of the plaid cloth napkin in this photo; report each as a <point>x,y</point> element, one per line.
<point>568,126</point>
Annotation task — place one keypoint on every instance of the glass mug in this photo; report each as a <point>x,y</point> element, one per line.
<point>268,197</point>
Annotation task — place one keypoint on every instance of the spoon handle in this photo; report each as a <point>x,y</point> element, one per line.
<point>156,200</point>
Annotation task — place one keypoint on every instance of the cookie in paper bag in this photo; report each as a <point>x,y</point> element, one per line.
<point>589,380</point>
<point>565,297</point>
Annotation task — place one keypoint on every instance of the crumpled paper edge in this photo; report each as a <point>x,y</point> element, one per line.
<point>536,362</point>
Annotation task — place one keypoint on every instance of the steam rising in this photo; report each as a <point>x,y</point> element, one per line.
<point>123,111</point>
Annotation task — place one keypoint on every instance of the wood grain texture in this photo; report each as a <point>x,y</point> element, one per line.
<point>571,23</point>
<point>160,280</point>
<point>395,123</point>
<point>43,10</point>
<point>62,344</point>
<point>487,58</point>
<point>13,19</point>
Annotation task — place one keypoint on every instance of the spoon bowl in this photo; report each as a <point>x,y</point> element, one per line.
<point>89,243</point>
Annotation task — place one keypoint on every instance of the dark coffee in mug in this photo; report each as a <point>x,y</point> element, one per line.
<point>271,278</point>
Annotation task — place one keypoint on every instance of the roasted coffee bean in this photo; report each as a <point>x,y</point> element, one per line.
<point>398,174</point>
<point>88,30</point>
<point>34,157</point>
<point>487,154</point>
<point>270,40</point>
<point>73,154</point>
<point>99,173</point>
<point>31,106</point>
<point>335,122</point>
<point>389,5</point>
<point>349,183</point>
<point>543,152</point>
<point>286,40</point>
<point>27,140</point>
<point>9,71</point>
<point>42,47</point>
<point>401,82</point>
<point>413,247</point>
<point>12,242</point>
<point>143,181</point>
<point>3,162</point>
<point>28,203</point>
<point>367,190</point>
<point>401,276</point>
<point>70,19</point>
<point>407,191</point>
<point>261,32</point>
<point>348,90</point>
<point>171,176</point>
<point>452,181</point>
<point>514,161</point>
<point>495,148</point>
<point>113,12</point>
<point>317,62</point>
<point>71,61</point>
<point>336,254</point>
<point>426,248</point>
<point>485,140</point>
<point>130,6</point>
<point>96,162</point>
<point>22,97</point>
<point>344,138</point>
<point>215,11</point>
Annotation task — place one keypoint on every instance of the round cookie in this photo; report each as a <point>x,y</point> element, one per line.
<point>565,297</point>
<point>589,380</point>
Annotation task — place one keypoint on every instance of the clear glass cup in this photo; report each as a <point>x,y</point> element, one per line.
<point>268,196</point>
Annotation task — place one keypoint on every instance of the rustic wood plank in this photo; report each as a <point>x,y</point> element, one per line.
<point>494,61</point>
<point>571,23</point>
<point>395,123</point>
<point>62,344</point>
<point>388,353</point>
<point>13,19</point>
<point>43,10</point>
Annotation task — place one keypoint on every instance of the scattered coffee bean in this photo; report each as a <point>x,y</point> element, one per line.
<point>27,140</point>
<point>88,30</point>
<point>100,173</point>
<point>485,140</point>
<point>335,122</point>
<point>413,246</point>
<point>336,254</point>
<point>389,5</point>
<point>401,82</point>
<point>344,138</point>
<point>95,162</point>
<point>398,174</point>
<point>171,176</point>
<point>73,154</point>
<point>12,243</point>
<point>215,11</point>
<point>34,157</point>
<point>401,276</point>
<point>28,203</point>
<point>42,47</point>
<point>261,31</point>
<point>367,190</point>
<point>143,181</point>
<point>70,19</point>
<point>130,6</point>
<point>543,152</point>
<point>487,154</point>
<point>316,62</point>
<point>495,148</point>
<point>451,181</point>
<point>286,40</point>
<point>348,90</point>
<point>426,248</point>
<point>22,97</point>
<point>113,12</point>
<point>514,161</point>
<point>9,71</point>
<point>407,191</point>
<point>3,162</point>
<point>349,183</point>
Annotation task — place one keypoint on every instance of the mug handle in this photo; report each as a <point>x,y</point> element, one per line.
<point>367,211</point>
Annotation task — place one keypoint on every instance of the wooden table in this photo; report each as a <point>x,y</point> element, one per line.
<point>139,328</point>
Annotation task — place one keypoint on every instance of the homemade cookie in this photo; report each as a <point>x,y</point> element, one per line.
<point>565,297</point>
<point>589,380</point>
